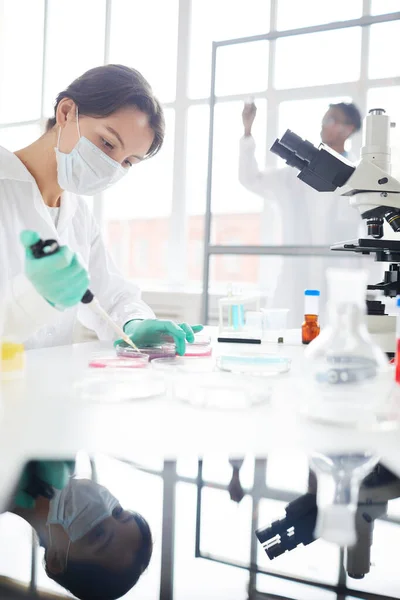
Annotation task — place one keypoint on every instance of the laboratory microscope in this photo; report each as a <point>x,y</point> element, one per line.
<point>298,526</point>
<point>370,189</point>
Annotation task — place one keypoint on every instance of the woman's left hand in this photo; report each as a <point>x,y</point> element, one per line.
<point>154,331</point>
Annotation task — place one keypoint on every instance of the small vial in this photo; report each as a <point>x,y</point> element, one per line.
<point>310,328</point>
<point>397,372</point>
<point>12,359</point>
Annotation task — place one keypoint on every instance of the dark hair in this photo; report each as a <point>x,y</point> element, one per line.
<point>87,581</point>
<point>103,90</point>
<point>351,112</point>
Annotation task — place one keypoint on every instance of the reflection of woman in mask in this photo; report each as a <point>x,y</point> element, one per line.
<point>93,547</point>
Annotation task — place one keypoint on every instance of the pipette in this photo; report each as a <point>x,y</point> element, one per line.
<point>44,248</point>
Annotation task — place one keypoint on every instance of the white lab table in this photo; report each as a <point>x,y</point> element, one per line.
<point>41,416</point>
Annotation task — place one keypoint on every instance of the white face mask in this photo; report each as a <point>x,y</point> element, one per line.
<point>80,506</point>
<point>86,169</point>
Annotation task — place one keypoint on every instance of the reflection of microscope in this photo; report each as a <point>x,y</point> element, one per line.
<point>371,190</point>
<point>297,527</point>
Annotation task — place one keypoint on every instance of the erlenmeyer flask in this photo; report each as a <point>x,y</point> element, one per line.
<point>339,477</point>
<point>347,373</point>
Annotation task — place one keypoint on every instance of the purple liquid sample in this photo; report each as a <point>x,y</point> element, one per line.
<point>161,351</point>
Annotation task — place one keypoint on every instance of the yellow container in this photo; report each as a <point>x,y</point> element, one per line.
<point>12,360</point>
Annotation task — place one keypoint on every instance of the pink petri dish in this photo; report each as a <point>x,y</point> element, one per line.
<point>198,350</point>
<point>152,352</point>
<point>200,347</point>
<point>101,361</point>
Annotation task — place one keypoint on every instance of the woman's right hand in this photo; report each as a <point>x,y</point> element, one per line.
<point>59,278</point>
<point>248,116</point>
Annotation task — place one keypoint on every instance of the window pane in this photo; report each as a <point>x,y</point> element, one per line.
<point>194,578</point>
<point>318,58</point>
<point>135,27</point>
<point>136,213</point>
<point>216,21</point>
<point>21,49</point>
<point>225,525</point>
<point>319,561</point>
<point>381,7</point>
<point>287,472</point>
<point>219,469</point>
<point>15,138</point>
<point>304,117</point>
<point>229,199</point>
<point>228,195</point>
<point>242,68</point>
<point>384,42</point>
<point>293,14</point>
<point>75,43</point>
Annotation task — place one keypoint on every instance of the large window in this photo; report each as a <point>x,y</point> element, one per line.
<point>154,219</point>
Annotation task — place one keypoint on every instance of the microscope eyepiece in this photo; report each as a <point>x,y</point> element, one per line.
<point>303,148</point>
<point>288,155</point>
<point>320,168</point>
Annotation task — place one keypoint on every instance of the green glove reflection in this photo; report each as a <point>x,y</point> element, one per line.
<point>59,278</point>
<point>154,331</point>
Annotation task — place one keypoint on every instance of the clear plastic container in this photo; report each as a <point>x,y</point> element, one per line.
<point>220,391</point>
<point>275,318</point>
<point>254,364</point>
<point>107,361</point>
<point>159,351</point>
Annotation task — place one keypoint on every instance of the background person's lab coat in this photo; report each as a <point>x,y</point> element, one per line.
<point>305,217</point>
<point>28,315</point>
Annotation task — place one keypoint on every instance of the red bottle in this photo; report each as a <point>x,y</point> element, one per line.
<point>310,328</point>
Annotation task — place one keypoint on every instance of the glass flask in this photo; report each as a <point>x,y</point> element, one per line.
<point>339,477</point>
<point>347,380</point>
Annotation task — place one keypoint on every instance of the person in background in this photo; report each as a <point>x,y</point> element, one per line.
<point>93,547</point>
<point>105,123</point>
<point>306,217</point>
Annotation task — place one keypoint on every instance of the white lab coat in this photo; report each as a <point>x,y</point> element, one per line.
<point>27,314</point>
<point>307,217</point>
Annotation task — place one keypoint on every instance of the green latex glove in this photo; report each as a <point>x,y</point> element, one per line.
<point>59,278</point>
<point>55,473</point>
<point>151,332</point>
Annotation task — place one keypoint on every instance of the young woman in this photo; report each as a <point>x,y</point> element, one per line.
<point>93,547</point>
<point>106,122</point>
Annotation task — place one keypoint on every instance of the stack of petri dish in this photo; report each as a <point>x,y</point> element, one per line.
<point>116,379</point>
<point>166,350</point>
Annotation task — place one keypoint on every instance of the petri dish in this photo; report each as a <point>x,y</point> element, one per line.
<point>182,364</point>
<point>254,364</point>
<point>201,339</point>
<point>107,361</point>
<point>198,350</point>
<point>220,391</point>
<point>113,386</point>
<point>153,352</point>
<point>200,347</point>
